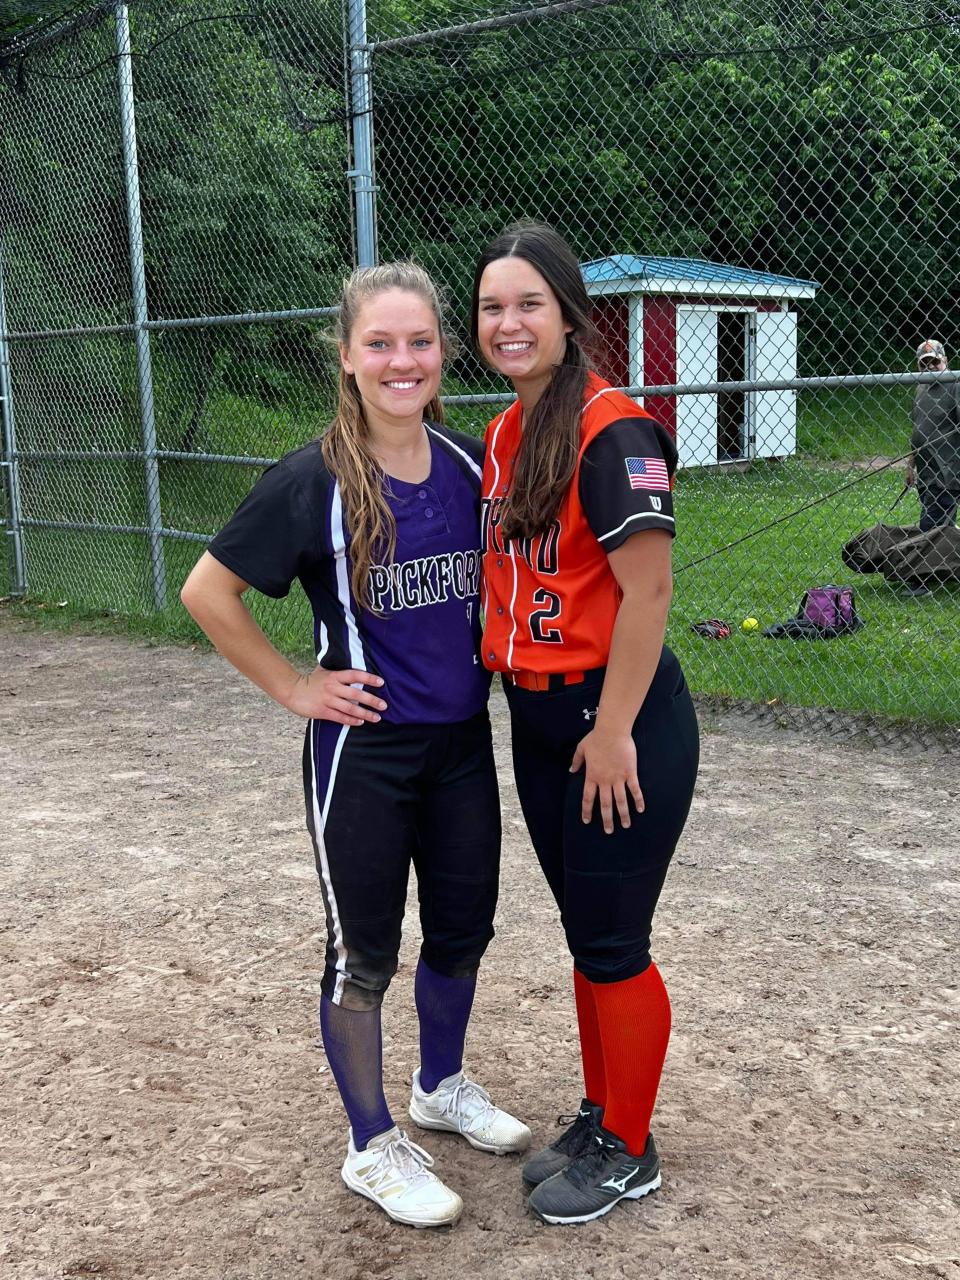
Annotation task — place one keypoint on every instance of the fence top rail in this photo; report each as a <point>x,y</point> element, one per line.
<point>159,326</point>
<point>80,331</point>
<point>498,23</point>
<point>837,382</point>
<point>137,455</point>
<point>94,526</point>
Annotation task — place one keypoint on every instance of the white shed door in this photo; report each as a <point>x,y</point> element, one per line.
<point>696,362</point>
<point>776,411</point>
<point>635,340</point>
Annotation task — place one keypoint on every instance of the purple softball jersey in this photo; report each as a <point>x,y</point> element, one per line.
<point>422,633</point>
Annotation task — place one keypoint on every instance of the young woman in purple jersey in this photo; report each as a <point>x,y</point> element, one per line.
<point>379,520</point>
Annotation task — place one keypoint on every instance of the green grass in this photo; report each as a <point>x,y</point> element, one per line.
<point>242,425</point>
<point>103,582</point>
<point>902,664</point>
<point>854,424</point>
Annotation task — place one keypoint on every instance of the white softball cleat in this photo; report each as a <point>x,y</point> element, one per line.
<point>458,1105</point>
<point>394,1173</point>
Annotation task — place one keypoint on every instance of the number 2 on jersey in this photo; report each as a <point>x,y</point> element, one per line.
<point>545,634</point>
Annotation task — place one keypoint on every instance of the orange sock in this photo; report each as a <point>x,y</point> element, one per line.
<point>634,1023</point>
<point>591,1052</point>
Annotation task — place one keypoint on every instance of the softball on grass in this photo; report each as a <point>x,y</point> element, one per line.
<point>749,624</point>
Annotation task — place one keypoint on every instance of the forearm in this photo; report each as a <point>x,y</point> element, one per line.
<point>231,628</point>
<point>635,648</point>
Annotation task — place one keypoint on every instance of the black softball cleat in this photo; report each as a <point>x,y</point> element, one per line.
<point>572,1143</point>
<point>595,1181</point>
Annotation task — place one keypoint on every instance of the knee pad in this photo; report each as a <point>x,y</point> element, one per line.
<point>456,956</point>
<point>354,990</point>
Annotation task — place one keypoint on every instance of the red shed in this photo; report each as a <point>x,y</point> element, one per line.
<point>669,321</point>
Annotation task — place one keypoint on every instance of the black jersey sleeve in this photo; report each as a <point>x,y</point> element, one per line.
<point>625,478</point>
<point>274,533</point>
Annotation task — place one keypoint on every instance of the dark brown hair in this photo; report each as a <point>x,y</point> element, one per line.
<point>551,436</point>
<point>346,442</point>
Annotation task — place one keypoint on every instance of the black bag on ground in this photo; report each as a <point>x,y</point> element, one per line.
<point>903,554</point>
<point>824,612</point>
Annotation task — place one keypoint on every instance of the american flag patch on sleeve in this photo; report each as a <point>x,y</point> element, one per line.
<point>647,473</point>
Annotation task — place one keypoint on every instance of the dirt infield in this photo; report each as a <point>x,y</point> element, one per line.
<point>166,1110</point>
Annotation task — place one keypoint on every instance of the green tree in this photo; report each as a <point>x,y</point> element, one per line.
<point>793,143</point>
<point>243,201</point>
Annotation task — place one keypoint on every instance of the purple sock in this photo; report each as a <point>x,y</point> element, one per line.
<point>443,1006</point>
<point>354,1048</point>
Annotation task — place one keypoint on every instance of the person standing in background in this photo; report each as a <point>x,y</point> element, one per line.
<point>934,465</point>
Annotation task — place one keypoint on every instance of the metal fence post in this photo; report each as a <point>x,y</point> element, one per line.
<point>10,463</point>
<point>361,123</point>
<point>141,333</point>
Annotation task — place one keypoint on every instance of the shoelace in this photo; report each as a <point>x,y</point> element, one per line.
<point>472,1100</point>
<point>587,1166</point>
<point>404,1159</point>
<point>578,1134</point>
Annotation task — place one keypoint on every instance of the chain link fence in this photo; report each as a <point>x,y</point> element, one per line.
<point>765,201</point>
<point>176,224</point>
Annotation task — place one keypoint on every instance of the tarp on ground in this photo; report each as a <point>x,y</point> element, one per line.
<point>902,553</point>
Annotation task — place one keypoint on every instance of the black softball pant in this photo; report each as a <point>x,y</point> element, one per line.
<point>606,886</point>
<point>380,796</point>
<point>938,506</point>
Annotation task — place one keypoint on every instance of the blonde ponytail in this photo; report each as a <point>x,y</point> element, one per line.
<point>346,442</point>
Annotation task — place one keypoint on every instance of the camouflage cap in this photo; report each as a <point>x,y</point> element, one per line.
<point>931,350</point>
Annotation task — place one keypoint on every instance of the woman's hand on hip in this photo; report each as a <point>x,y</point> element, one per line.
<point>334,695</point>
<point>610,763</point>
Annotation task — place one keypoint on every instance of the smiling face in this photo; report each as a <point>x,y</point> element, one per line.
<point>521,331</point>
<point>395,354</point>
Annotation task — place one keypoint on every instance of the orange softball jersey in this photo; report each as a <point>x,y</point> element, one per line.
<point>550,602</point>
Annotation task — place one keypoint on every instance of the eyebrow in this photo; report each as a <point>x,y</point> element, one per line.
<point>389,333</point>
<point>529,293</point>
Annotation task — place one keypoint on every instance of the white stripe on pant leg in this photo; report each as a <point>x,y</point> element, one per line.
<point>319,819</point>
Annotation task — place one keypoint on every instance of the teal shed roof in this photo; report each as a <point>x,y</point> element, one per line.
<point>630,273</point>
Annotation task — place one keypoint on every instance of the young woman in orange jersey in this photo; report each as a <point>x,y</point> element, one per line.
<point>577,528</point>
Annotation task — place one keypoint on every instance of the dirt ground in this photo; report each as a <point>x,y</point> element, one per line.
<point>166,1109</point>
